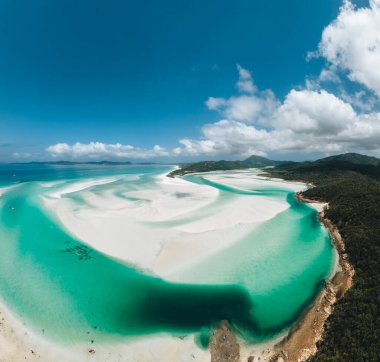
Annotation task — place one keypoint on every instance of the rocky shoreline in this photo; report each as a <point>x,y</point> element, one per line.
<point>224,346</point>
<point>301,342</point>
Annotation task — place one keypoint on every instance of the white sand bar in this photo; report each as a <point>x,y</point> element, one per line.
<point>166,224</point>
<point>161,226</point>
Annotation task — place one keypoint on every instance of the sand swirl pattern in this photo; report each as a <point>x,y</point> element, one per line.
<point>134,257</point>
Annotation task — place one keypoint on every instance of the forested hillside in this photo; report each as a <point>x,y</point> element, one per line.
<point>206,166</point>
<point>351,185</point>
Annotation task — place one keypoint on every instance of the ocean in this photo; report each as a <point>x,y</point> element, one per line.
<point>69,289</point>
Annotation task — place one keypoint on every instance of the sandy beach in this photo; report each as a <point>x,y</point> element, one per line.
<point>171,218</point>
<point>103,221</point>
<point>19,343</point>
<point>301,341</point>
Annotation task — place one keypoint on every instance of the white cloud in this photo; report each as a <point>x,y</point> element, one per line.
<point>196,147</point>
<point>329,75</point>
<point>97,150</point>
<point>241,108</point>
<point>360,99</point>
<point>308,120</point>
<point>314,112</point>
<point>352,43</point>
<point>22,155</point>
<point>251,106</point>
<point>226,138</point>
<point>245,83</point>
<point>215,103</point>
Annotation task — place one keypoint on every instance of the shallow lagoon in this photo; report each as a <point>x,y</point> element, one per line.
<point>62,288</point>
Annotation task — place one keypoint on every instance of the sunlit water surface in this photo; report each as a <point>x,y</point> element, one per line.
<point>62,288</point>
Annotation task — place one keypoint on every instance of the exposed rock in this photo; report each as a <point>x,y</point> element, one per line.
<point>301,341</point>
<point>224,347</point>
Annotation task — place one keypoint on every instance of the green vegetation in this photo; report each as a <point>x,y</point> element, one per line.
<point>351,185</point>
<point>258,161</point>
<point>334,166</point>
<point>206,166</point>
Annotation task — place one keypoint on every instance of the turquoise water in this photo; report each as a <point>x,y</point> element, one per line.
<point>69,292</point>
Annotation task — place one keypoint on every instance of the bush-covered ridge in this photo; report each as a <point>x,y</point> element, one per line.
<point>351,185</point>
<point>206,166</point>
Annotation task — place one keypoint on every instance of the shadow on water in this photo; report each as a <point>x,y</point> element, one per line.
<point>78,284</point>
<point>66,283</point>
<point>190,307</point>
<point>266,333</point>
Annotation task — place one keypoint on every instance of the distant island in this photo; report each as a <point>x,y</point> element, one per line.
<point>100,163</point>
<point>95,163</point>
<point>350,184</point>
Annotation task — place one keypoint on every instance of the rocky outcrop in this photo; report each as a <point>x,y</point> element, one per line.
<point>301,342</point>
<point>224,347</point>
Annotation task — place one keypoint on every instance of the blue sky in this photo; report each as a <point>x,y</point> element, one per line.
<point>130,75</point>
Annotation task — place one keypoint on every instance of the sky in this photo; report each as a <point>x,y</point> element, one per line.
<point>180,80</point>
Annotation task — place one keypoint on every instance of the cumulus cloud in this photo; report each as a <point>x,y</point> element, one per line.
<point>22,155</point>
<point>307,121</point>
<point>250,106</point>
<point>313,112</point>
<point>359,99</point>
<point>97,150</point>
<point>351,43</point>
<point>215,103</point>
<point>226,137</point>
<point>245,83</point>
<point>329,74</point>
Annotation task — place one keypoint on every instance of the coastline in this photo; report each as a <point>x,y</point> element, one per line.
<point>21,343</point>
<point>301,342</point>
<point>292,346</point>
<point>172,200</point>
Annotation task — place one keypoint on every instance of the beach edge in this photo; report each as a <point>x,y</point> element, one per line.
<point>300,344</point>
